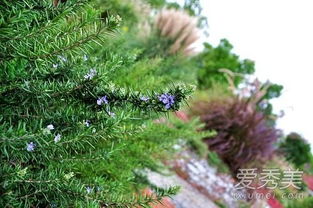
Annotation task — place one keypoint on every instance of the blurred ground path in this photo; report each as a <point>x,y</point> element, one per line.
<point>188,196</point>
<point>201,185</point>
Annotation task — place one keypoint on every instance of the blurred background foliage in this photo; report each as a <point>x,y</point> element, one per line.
<point>221,57</point>
<point>296,150</point>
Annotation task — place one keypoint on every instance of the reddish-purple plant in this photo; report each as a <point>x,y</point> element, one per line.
<point>243,137</point>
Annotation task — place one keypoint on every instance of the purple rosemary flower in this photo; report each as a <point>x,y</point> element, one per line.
<point>50,127</point>
<point>144,98</point>
<point>85,57</point>
<point>57,138</point>
<point>87,123</point>
<point>55,66</point>
<point>167,100</point>
<point>30,147</point>
<point>92,72</point>
<point>102,100</point>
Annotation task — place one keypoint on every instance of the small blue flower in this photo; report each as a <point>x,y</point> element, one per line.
<point>85,57</point>
<point>102,100</point>
<point>57,138</point>
<point>64,59</point>
<point>55,66</point>
<point>53,205</point>
<point>111,114</point>
<point>87,123</point>
<point>167,100</point>
<point>263,104</point>
<point>88,189</point>
<point>92,72</point>
<point>144,98</point>
<point>30,147</point>
<point>50,127</point>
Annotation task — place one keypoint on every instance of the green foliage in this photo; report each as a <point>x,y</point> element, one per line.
<point>123,8</point>
<point>211,60</point>
<point>199,147</point>
<point>139,69</point>
<point>300,203</point>
<point>218,91</point>
<point>156,3</point>
<point>220,204</point>
<point>73,130</point>
<point>156,46</point>
<point>195,140</point>
<point>296,150</point>
<point>193,7</point>
<point>273,91</point>
<point>215,160</point>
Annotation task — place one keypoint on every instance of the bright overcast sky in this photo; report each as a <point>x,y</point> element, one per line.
<point>278,36</point>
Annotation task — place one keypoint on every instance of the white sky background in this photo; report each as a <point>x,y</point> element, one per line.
<point>278,36</point>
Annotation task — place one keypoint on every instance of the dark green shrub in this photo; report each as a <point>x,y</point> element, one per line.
<point>273,91</point>
<point>300,203</point>
<point>296,150</point>
<point>211,60</point>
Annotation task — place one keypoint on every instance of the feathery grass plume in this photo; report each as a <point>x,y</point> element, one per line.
<point>243,137</point>
<point>141,8</point>
<point>179,28</point>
